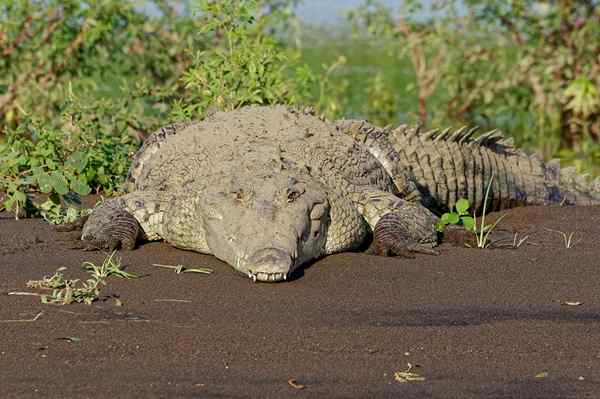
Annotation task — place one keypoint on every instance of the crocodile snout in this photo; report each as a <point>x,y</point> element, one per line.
<point>270,265</point>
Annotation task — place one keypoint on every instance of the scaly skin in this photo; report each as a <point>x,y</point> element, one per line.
<point>149,151</point>
<point>265,189</point>
<point>450,165</point>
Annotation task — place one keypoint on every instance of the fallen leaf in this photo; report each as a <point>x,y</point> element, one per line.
<point>70,339</point>
<point>294,384</point>
<point>541,375</point>
<point>407,376</point>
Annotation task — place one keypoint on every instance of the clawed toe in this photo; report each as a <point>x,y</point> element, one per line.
<point>378,248</point>
<point>422,249</point>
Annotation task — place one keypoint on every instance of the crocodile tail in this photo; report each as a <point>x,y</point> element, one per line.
<point>453,164</point>
<point>449,165</point>
<point>566,186</point>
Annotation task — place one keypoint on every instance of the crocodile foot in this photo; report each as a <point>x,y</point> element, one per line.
<point>111,227</point>
<point>392,236</point>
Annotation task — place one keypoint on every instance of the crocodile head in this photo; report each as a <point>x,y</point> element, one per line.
<point>266,226</point>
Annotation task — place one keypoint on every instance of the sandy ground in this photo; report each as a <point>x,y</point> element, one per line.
<point>473,323</point>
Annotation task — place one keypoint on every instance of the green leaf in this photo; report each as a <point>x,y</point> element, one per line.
<point>79,186</point>
<point>439,226</point>
<point>44,182</point>
<point>8,204</point>
<point>468,222</point>
<point>542,375</point>
<point>72,198</point>
<point>59,183</point>
<point>462,205</point>
<point>20,197</point>
<point>450,218</point>
<point>70,339</point>
<point>48,205</point>
<point>585,99</point>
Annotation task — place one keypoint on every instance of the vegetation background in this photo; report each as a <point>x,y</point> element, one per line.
<point>82,83</point>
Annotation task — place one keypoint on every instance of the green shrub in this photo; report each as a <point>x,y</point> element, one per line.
<point>246,65</point>
<point>99,47</point>
<point>90,152</point>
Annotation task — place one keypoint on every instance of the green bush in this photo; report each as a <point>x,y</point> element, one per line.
<point>81,83</point>
<point>90,152</point>
<point>101,48</point>
<point>246,65</point>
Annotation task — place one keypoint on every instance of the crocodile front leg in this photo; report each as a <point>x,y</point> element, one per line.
<point>123,221</point>
<point>399,227</point>
<point>148,215</point>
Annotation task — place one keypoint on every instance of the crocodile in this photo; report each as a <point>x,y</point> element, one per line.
<point>265,189</point>
<point>269,189</point>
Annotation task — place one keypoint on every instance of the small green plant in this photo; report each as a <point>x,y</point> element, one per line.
<point>66,291</point>
<point>459,217</point>
<point>519,240</point>
<point>515,242</point>
<point>55,213</point>
<point>462,217</point>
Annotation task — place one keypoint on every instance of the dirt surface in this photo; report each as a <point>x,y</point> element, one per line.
<point>478,323</point>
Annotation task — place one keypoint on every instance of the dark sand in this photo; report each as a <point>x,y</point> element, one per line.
<point>478,323</point>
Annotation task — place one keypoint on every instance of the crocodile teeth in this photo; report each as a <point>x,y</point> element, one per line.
<point>267,277</point>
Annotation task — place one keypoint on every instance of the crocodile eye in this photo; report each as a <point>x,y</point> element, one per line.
<point>305,235</point>
<point>314,231</point>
